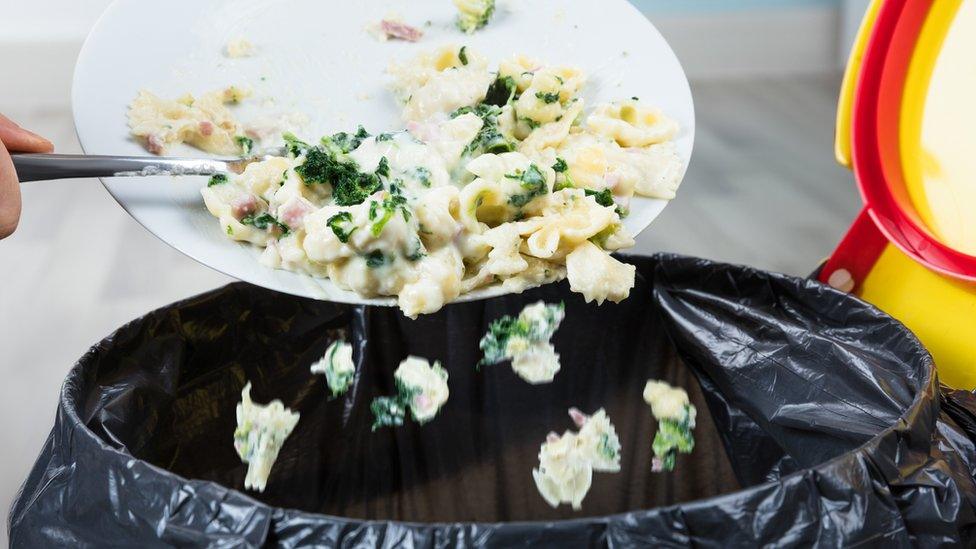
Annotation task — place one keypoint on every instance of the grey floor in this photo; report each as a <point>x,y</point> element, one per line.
<point>762,189</point>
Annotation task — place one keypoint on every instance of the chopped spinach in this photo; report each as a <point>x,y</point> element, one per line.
<point>603,198</point>
<point>264,222</point>
<point>548,98</point>
<point>422,175</point>
<point>501,92</point>
<point>489,138</point>
<point>245,143</point>
<point>217,179</point>
<point>532,181</point>
<point>376,259</point>
<point>339,223</point>
<point>463,55</point>
<point>387,412</point>
<point>294,145</point>
<point>560,166</point>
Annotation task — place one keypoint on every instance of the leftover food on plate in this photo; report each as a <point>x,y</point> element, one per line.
<point>204,122</point>
<point>499,178</point>
<point>337,367</point>
<point>473,14</point>
<point>421,390</point>
<point>261,432</point>
<point>394,27</point>
<point>524,340</point>
<point>239,47</point>
<point>567,462</point>
<point>676,420</point>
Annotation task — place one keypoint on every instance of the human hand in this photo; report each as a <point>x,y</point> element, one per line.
<point>13,138</point>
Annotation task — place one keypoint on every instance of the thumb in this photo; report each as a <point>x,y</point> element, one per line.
<point>17,139</point>
<point>9,195</point>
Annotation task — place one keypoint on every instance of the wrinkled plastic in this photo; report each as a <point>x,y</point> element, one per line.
<point>821,423</point>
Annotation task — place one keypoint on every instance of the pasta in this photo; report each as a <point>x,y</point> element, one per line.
<point>337,367</point>
<point>567,462</point>
<point>499,178</point>
<point>203,122</point>
<point>261,432</point>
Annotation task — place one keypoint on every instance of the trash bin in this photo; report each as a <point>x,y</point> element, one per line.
<point>821,423</point>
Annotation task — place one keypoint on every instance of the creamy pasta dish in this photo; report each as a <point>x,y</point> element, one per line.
<point>501,177</point>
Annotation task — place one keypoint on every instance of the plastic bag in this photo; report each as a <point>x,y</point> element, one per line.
<point>820,423</point>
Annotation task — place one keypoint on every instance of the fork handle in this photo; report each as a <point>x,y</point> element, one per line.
<point>39,167</point>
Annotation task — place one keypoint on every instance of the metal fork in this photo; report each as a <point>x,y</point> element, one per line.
<point>40,167</point>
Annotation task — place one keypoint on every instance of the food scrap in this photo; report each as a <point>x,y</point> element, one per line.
<point>337,367</point>
<point>676,420</point>
<point>567,462</point>
<point>525,341</point>
<point>261,432</point>
<point>421,389</point>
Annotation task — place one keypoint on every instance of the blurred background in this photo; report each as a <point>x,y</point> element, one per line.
<point>762,188</point>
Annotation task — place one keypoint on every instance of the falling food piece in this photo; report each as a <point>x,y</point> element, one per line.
<point>525,341</point>
<point>567,462</point>
<point>676,420</point>
<point>337,366</point>
<point>261,432</point>
<point>565,472</point>
<point>599,439</point>
<point>421,389</point>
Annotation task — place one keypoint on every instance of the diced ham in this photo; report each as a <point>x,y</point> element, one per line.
<point>155,145</point>
<point>293,212</point>
<point>401,30</point>
<point>244,205</point>
<point>579,418</point>
<point>206,128</point>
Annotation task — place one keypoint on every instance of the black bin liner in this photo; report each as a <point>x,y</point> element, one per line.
<point>821,423</point>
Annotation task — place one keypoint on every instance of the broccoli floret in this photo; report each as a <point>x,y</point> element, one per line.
<point>501,92</point>
<point>536,323</point>
<point>217,179</point>
<point>547,98</point>
<point>339,223</point>
<point>473,14</point>
<point>532,181</point>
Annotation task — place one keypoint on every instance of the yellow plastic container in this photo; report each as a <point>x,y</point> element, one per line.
<point>930,172</point>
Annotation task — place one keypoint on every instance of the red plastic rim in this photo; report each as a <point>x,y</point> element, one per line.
<point>874,140</point>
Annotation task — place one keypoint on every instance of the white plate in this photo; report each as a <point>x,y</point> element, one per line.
<point>314,57</point>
